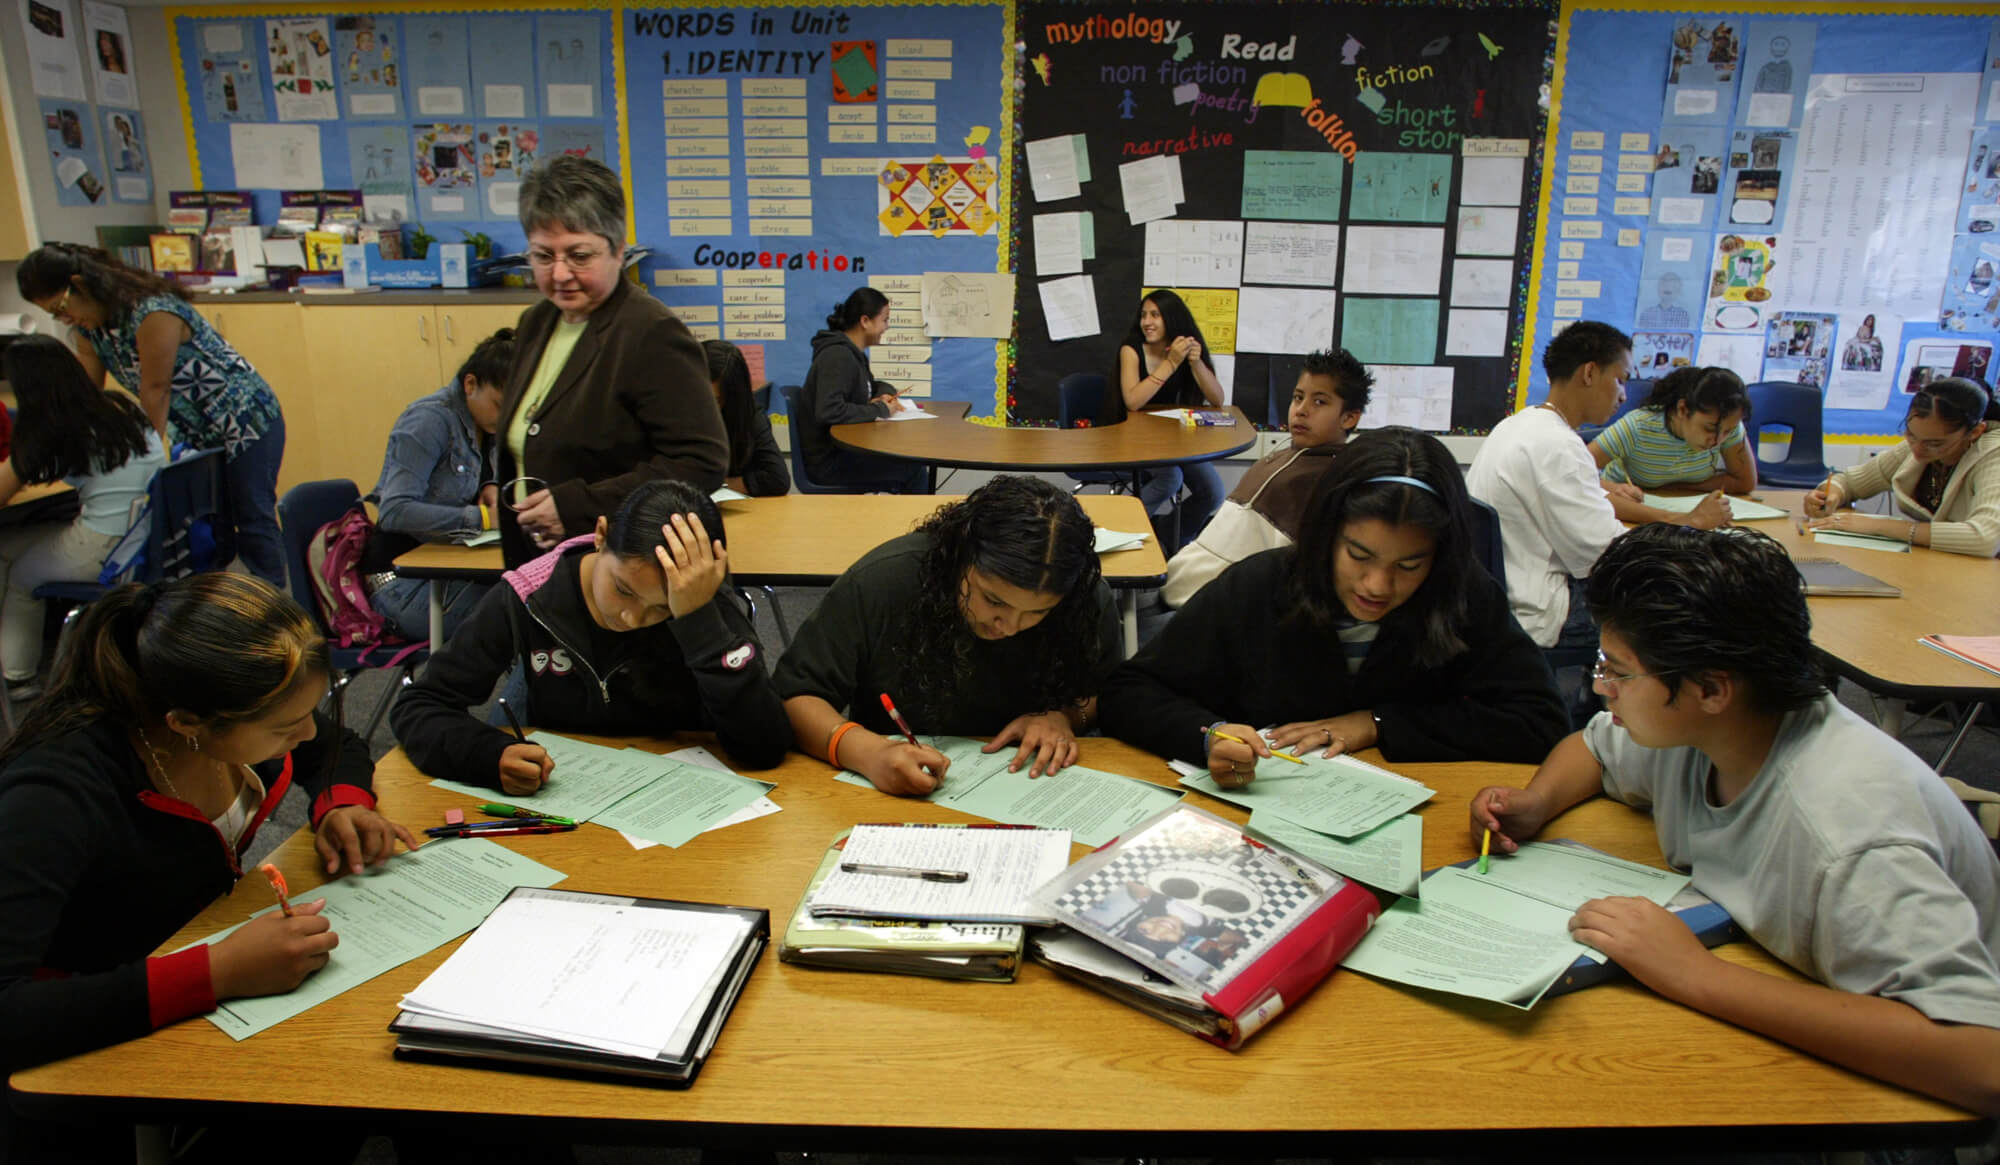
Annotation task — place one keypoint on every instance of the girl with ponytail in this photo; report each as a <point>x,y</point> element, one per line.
<point>174,723</point>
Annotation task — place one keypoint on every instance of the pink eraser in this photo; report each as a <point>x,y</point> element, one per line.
<point>454,817</point>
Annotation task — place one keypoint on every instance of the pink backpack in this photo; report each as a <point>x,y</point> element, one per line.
<point>333,560</point>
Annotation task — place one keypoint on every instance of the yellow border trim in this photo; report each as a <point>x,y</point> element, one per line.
<point>187,102</point>
<point>624,122</point>
<point>1004,252</point>
<point>1532,318</point>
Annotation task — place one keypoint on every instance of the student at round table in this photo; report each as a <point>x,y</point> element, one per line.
<point>1834,847</point>
<point>436,483</point>
<point>195,388</point>
<point>756,464</point>
<point>1688,433</point>
<point>992,618</point>
<point>73,431</point>
<point>170,730</point>
<point>1945,475</point>
<point>840,389</point>
<point>1164,363</point>
<point>1377,630</point>
<point>630,630</point>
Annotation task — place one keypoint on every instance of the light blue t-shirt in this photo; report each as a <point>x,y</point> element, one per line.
<point>107,497</point>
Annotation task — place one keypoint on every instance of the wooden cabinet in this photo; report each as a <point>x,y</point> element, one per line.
<point>345,370</point>
<point>462,326</point>
<point>17,231</point>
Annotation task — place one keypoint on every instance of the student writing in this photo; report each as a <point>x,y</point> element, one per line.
<point>991,618</point>
<point>1378,630</point>
<point>176,722</point>
<point>95,439</point>
<point>1834,847</point>
<point>1265,509</point>
<point>1688,433</point>
<point>436,482</point>
<point>1945,476</point>
<point>630,630</point>
<point>841,389</point>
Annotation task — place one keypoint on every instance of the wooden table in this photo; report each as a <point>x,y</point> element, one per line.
<point>810,539</point>
<point>1874,641</point>
<point>1140,442</point>
<point>817,1059</point>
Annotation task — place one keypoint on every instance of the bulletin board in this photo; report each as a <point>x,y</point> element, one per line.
<point>434,112</point>
<point>1800,193</point>
<point>783,156</point>
<point>1305,174</point>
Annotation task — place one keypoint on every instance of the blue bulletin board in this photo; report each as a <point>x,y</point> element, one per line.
<point>759,141</point>
<point>1806,193</point>
<point>436,108</point>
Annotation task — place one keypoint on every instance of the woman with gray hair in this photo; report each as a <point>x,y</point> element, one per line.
<point>608,388</point>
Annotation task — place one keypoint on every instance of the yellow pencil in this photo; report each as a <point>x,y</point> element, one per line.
<point>1240,740</point>
<point>1485,845</point>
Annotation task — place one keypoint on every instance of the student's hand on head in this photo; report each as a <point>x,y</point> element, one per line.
<point>903,769</point>
<point>524,769</point>
<point>694,563</point>
<point>271,954</point>
<point>354,837</point>
<point>1234,765</point>
<point>1046,739</point>
<point>1514,816</point>
<point>1647,940</point>
<point>539,520</point>
<point>1711,513</point>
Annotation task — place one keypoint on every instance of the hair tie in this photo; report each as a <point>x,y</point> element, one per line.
<point>1399,479</point>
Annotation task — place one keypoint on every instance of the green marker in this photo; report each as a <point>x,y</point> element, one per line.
<point>492,810</point>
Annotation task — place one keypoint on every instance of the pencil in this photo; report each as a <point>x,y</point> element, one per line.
<point>1219,735</point>
<point>1485,845</point>
<point>513,721</point>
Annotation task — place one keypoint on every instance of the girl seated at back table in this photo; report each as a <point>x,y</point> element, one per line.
<point>1688,433</point>
<point>1944,476</point>
<point>1164,363</point>
<point>991,618</point>
<point>629,630</point>
<point>1377,630</point>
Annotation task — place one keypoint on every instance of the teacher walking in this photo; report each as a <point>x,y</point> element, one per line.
<point>195,389</point>
<point>608,388</point>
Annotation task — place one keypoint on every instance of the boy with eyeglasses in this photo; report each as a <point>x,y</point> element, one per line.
<point>1831,845</point>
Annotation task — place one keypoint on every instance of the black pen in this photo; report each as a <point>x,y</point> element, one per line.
<point>513,721</point>
<point>905,872</point>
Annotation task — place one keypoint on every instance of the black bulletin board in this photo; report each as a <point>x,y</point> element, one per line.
<point>1384,79</point>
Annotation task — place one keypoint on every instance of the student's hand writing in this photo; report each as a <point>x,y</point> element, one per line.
<point>1825,499</point>
<point>1644,938</point>
<point>1711,513</point>
<point>539,520</point>
<point>1234,765</point>
<point>900,768</point>
<point>886,397</point>
<point>1514,816</point>
<point>359,837</point>
<point>1046,738</point>
<point>694,563</point>
<point>271,954</point>
<point>1624,489</point>
<point>1330,737</point>
<point>525,768</point>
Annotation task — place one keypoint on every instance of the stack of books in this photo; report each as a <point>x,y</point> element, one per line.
<point>982,951</point>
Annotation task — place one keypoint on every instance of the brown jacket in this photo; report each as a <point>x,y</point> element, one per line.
<point>631,404</point>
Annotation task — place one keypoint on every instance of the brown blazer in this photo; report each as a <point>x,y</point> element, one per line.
<point>631,404</point>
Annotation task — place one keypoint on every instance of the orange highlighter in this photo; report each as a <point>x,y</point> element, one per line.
<point>278,887</point>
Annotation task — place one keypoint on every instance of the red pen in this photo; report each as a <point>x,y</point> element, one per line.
<point>278,887</point>
<point>889,706</point>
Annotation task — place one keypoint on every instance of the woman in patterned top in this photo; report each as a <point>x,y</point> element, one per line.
<point>195,389</point>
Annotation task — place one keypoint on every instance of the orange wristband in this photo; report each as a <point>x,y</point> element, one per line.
<point>833,742</point>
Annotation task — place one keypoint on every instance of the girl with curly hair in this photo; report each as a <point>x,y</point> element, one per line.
<point>991,618</point>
